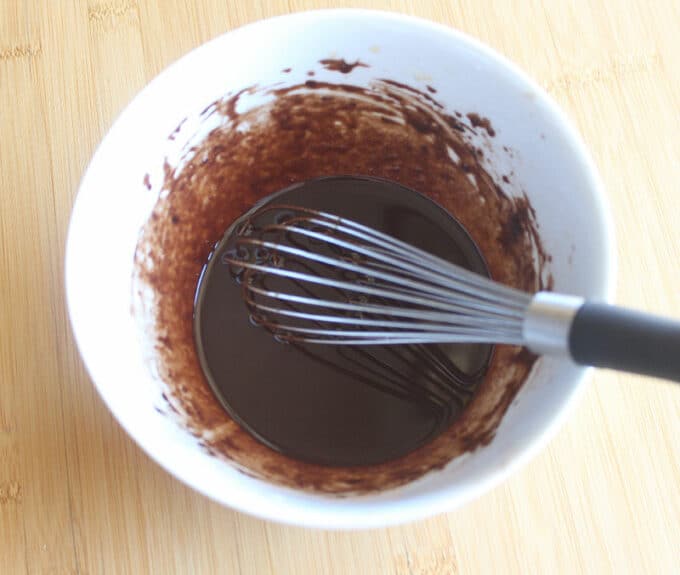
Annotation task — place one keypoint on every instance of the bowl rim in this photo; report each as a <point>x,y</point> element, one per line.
<point>352,513</point>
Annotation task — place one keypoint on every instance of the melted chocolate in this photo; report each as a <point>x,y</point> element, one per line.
<point>339,405</point>
<point>301,132</point>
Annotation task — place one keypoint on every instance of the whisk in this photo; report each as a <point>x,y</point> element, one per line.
<point>316,278</point>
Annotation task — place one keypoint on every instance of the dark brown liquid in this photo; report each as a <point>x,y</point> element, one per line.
<point>340,405</point>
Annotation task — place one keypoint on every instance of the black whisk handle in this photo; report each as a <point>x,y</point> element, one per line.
<point>608,336</point>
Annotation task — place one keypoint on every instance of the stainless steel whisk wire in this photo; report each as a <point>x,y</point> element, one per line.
<point>373,289</point>
<point>482,311</point>
<point>441,386</point>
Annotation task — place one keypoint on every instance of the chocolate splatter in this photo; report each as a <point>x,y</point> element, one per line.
<point>478,121</point>
<point>340,65</point>
<point>176,131</point>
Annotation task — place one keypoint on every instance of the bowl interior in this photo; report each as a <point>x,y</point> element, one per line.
<point>550,166</point>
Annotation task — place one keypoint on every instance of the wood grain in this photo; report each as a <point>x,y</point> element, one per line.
<point>77,496</point>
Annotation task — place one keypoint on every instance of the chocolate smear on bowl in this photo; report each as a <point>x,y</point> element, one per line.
<point>386,130</point>
<point>340,65</point>
<point>478,121</point>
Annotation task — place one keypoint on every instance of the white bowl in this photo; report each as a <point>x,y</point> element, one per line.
<point>550,163</point>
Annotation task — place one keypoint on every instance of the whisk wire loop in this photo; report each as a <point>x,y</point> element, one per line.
<point>314,277</point>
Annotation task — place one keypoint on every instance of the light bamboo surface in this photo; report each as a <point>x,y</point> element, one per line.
<point>78,496</point>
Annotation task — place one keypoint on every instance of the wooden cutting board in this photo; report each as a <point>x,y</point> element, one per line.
<point>78,496</point>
